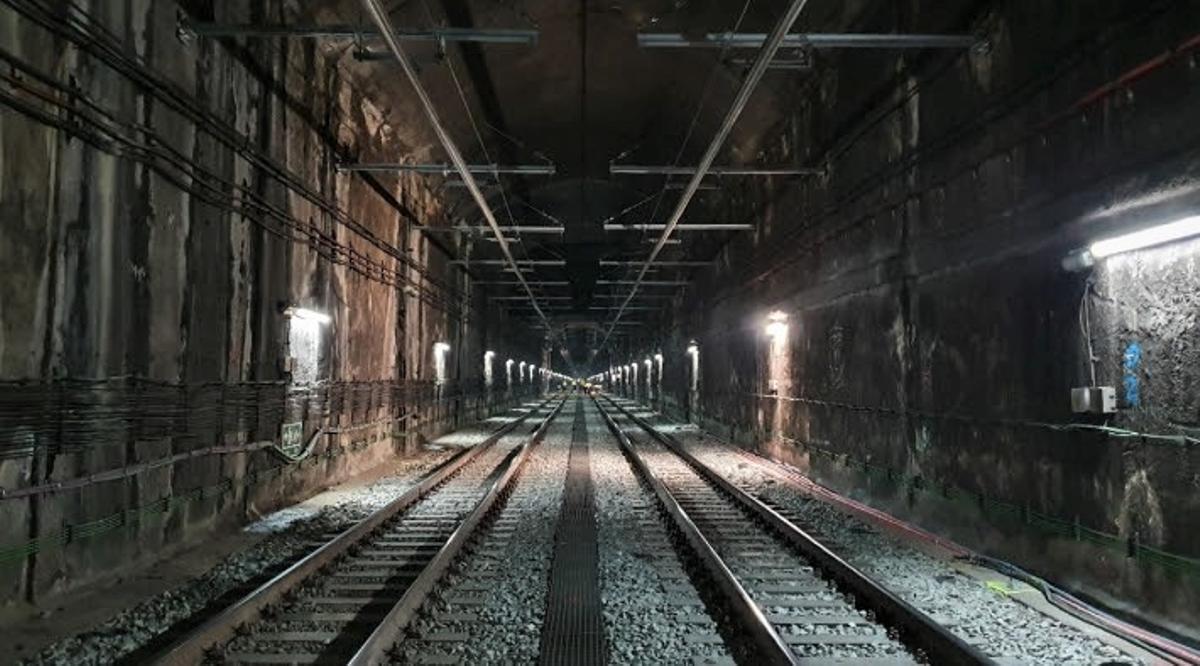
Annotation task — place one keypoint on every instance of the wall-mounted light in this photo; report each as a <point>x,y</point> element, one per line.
<point>693,350</point>
<point>1137,240</point>
<point>304,314</point>
<point>777,327</point>
<point>439,360</point>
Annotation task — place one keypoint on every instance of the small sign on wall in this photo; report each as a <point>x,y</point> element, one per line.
<point>291,436</point>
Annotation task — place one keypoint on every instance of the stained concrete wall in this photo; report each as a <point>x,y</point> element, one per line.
<point>163,200</point>
<point>933,337</point>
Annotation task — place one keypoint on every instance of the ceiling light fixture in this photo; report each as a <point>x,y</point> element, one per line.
<point>1136,240</point>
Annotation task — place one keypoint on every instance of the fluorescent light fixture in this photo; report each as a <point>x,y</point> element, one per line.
<point>777,324</point>
<point>440,347</point>
<point>1164,233</point>
<point>308,315</point>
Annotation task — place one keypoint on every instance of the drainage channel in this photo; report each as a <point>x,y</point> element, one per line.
<point>573,633</point>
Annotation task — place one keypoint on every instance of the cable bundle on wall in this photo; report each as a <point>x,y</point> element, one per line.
<point>70,110</point>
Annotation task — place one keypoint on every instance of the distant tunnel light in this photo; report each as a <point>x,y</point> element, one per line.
<point>308,315</point>
<point>1165,233</point>
<point>777,324</point>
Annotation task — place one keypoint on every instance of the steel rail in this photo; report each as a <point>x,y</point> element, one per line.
<point>769,645</point>
<point>917,630</point>
<point>761,63</point>
<point>377,646</point>
<point>221,628</point>
<point>388,32</point>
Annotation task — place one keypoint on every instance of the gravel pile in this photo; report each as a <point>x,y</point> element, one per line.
<point>1001,627</point>
<point>290,535</point>
<point>491,609</point>
<point>641,622</point>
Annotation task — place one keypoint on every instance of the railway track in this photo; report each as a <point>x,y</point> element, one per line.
<point>349,600</point>
<point>793,599</point>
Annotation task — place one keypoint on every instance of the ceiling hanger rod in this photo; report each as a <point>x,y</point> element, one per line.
<point>772,43</point>
<point>388,32</point>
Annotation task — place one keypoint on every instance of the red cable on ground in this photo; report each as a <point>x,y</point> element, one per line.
<point>1114,625</point>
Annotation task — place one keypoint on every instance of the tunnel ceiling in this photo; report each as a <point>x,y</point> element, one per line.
<point>583,97</point>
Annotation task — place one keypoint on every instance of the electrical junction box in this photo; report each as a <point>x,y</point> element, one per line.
<point>1094,400</point>
<point>291,437</point>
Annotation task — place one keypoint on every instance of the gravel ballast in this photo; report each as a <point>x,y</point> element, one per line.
<point>491,609</point>
<point>636,562</point>
<point>1001,627</point>
<point>289,534</point>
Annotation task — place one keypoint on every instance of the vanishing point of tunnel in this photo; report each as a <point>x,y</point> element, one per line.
<point>860,332</point>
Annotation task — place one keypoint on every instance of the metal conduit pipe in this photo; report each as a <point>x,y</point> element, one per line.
<point>778,33</point>
<point>388,32</point>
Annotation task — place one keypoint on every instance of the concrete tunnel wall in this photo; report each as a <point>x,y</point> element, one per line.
<point>932,332</point>
<point>164,200</point>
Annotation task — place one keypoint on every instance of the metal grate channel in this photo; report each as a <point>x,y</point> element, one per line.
<point>573,632</point>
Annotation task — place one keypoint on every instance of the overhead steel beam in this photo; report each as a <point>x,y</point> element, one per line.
<point>450,169</point>
<point>388,32</point>
<point>502,262</point>
<point>522,298</point>
<point>755,40</point>
<point>607,308</point>
<point>648,283</point>
<point>520,229</point>
<point>769,47</point>
<point>666,264</point>
<point>679,227</point>
<point>706,187</point>
<point>643,295</point>
<point>524,282</point>
<point>647,170</point>
<point>205,29</point>
<point>793,64</point>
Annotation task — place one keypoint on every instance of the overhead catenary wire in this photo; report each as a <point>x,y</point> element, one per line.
<point>77,26</point>
<point>765,55</point>
<point>479,138</point>
<point>388,33</point>
<point>658,197</point>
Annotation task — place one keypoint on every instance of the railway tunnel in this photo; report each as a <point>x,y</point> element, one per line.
<point>630,332</point>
